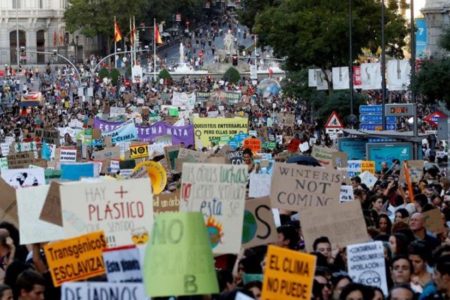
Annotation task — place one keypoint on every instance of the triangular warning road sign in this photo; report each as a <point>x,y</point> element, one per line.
<point>334,121</point>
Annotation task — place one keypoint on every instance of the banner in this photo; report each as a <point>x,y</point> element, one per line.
<point>30,202</point>
<point>125,132</point>
<point>300,188</point>
<point>123,209</point>
<point>103,291</point>
<point>366,265</point>
<point>179,134</point>
<point>218,192</point>
<point>398,75</point>
<point>421,38</point>
<point>341,79</point>
<point>77,258</point>
<point>123,264</point>
<point>67,154</point>
<point>259,185</point>
<point>259,226</point>
<point>288,274</point>
<point>184,100</point>
<point>76,171</point>
<point>208,129</point>
<point>370,76</point>
<point>323,154</point>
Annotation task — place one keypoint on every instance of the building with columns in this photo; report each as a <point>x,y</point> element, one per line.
<point>41,28</point>
<point>437,16</point>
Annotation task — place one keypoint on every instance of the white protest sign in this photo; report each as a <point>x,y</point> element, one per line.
<point>259,185</point>
<point>30,202</point>
<point>3,163</point>
<point>353,167</point>
<point>20,178</point>
<point>123,264</point>
<point>366,264</point>
<point>368,179</point>
<point>123,209</point>
<point>102,290</point>
<point>346,193</point>
<point>68,155</point>
<point>218,192</point>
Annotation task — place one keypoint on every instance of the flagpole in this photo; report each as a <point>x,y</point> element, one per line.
<point>115,44</point>
<point>154,49</point>
<point>134,40</point>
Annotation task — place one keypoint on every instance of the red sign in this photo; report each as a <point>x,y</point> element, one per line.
<point>357,77</point>
<point>252,144</point>
<point>334,121</point>
<point>433,118</point>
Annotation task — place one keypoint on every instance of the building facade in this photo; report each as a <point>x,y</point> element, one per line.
<point>41,28</point>
<point>437,16</point>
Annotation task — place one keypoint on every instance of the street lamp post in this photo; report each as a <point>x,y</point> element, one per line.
<point>17,33</point>
<point>350,50</point>
<point>413,74</point>
<point>383,69</point>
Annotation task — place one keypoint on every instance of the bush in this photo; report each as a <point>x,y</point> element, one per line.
<point>114,75</point>
<point>164,74</point>
<point>232,75</point>
<point>103,73</point>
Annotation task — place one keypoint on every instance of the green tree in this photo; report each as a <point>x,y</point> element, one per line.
<point>250,8</point>
<point>316,32</point>
<point>232,75</point>
<point>434,75</point>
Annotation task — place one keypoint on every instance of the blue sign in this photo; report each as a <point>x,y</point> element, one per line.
<point>355,148</point>
<point>386,152</point>
<point>374,126</point>
<point>371,109</point>
<point>74,171</point>
<point>376,119</point>
<point>421,37</point>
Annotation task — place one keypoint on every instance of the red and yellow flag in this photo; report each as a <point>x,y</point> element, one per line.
<point>117,33</point>
<point>157,37</point>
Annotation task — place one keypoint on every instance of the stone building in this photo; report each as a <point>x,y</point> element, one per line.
<point>437,15</point>
<point>41,28</point>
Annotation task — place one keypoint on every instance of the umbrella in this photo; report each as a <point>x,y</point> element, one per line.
<point>304,160</point>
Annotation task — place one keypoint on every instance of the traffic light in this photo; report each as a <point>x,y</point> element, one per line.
<point>234,60</point>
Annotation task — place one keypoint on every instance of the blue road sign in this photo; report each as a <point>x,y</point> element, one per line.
<point>376,119</point>
<point>375,126</point>
<point>371,109</point>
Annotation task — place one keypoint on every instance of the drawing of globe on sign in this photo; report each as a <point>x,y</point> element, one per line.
<point>215,231</point>
<point>250,227</point>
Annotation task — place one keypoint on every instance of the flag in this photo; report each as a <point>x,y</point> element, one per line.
<point>132,33</point>
<point>157,37</point>
<point>55,39</point>
<point>117,34</point>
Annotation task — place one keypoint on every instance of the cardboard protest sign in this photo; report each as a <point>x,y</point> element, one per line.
<point>206,129</point>
<point>434,221</point>
<point>339,159</point>
<point>102,290</point>
<point>288,274</point>
<point>259,226</point>
<point>123,264</point>
<point>166,202</point>
<point>218,192</point>
<point>123,209</point>
<point>30,203</point>
<point>366,264</point>
<point>188,155</point>
<point>368,165</point>
<point>346,194</point>
<point>415,171</point>
<point>259,185</point>
<point>51,210</point>
<point>20,178</point>
<point>21,160</point>
<point>343,224</point>
<point>65,264</point>
<point>8,207</point>
<point>139,151</point>
<point>179,260</point>
<point>107,153</point>
<point>253,144</point>
<point>299,188</point>
<point>323,154</point>
<point>235,157</point>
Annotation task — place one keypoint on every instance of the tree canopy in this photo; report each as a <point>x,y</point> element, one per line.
<point>316,32</point>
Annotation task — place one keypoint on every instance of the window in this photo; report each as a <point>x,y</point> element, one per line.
<point>41,4</point>
<point>16,4</point>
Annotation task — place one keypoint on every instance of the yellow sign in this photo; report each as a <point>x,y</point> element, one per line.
<point>156,172</point>
<point>207,130</point>
<point>288,274</point>
<point>368,165</point>
<point>77,258</point>
<point>139,151</point>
